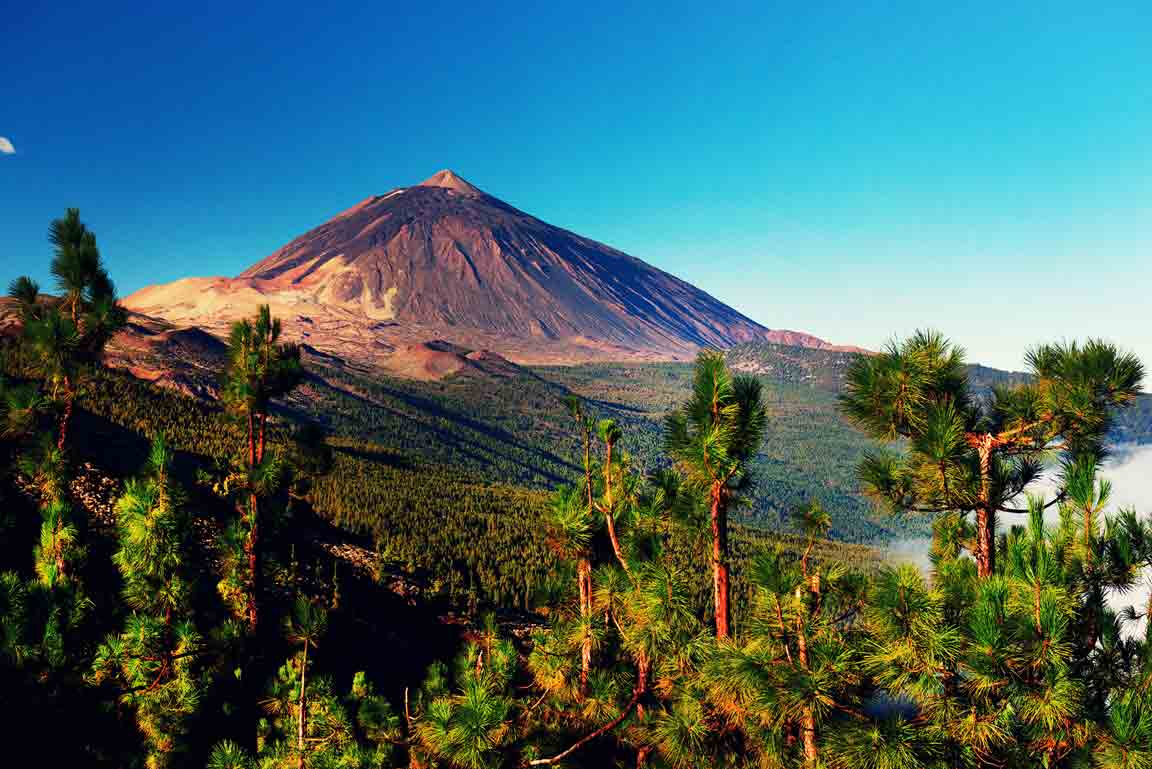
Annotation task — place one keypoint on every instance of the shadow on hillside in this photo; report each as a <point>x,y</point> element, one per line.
<point>392,638</point>
<point>503,446</point>
<point>379,456</point>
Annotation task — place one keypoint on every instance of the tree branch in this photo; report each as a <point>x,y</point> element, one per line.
<point>636,694</point>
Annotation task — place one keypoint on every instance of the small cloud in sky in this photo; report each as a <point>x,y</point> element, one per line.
<point>6,147</point>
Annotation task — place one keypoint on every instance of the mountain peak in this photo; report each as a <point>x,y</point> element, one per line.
<point>453,181</point>
<point>446,260</point>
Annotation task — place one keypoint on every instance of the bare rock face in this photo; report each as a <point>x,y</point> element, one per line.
<point>443,259</point>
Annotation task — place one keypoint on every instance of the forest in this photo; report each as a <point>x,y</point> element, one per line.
<point>617,569</point>
<point>515,430</point>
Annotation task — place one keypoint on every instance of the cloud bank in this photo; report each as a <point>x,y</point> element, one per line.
<point>6,147</point>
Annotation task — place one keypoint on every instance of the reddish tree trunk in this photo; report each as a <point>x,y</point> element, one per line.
<point>808,735</point>
<point>263,430</point>
<point>985,543</point>
<point>66,417</point>
<point>615,540</point>
<point>584,576</point>
<point>720,561</point>
<point>986,515</point>
<point>251,441</point>
<point>251,546</point>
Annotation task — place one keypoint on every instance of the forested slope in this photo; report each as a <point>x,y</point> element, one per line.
<point>458,534</point>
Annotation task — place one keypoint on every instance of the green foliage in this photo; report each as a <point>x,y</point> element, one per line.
<point>833,661</point>
<point>719,428</point>
<point>809,452</point>
<point>711,438</point>
<point>306,721</point>
<point>470,724</point>
<point>259,368</point>
<point>964,453</point>
<point>64,340</point>
<point>153,660</point>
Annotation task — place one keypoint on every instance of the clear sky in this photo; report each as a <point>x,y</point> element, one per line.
<point>851,169</point>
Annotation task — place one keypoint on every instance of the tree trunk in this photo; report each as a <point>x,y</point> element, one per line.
<point>720,561</point>
<point>986,514</point>
<point>637,693</point>
<point>808,735</point>
<point>66,417</point>
<point>609,508</point>
<point>252,548</point>
<point>302,713</point>
<point>263,430</point>
<point>251,441</point>
<point>985,543</point>
<point>584,575</point>
<point>807,718</point>
<point>615,540</point>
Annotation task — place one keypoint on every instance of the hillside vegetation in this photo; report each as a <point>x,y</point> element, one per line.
<point>221,584</point>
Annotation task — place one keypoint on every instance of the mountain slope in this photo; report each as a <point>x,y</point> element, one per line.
<point>444,260</point>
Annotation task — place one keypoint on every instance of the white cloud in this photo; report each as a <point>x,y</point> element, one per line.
<point>6,147</point>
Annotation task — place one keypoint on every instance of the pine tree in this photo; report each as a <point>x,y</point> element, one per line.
<point>712,438</point>
<point>153,660</point>
<point>59,551</point>
<point>572,527</point>
<point>305,626</point>
<point>260,369</point>
<point>66,340</point>
<point>977,453</point>
<point>797,666</point>
<point>645,630</point>
<point>466,717</point>
<point>26,292</point>
<point>307,723</point>
<point>1000,669</point>
<point>572,517</point>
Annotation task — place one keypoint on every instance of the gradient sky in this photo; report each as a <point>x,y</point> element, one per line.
<point>852,169</point>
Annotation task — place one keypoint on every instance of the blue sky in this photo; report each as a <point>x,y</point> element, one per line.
<point>852,169</point>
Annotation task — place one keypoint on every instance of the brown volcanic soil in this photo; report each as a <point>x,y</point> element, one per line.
<point>445,260</point>
<point>438,359</point>
<point>190,360</point>
<point>185,359</point>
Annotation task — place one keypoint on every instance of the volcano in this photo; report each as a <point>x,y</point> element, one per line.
<point>445,260</point>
